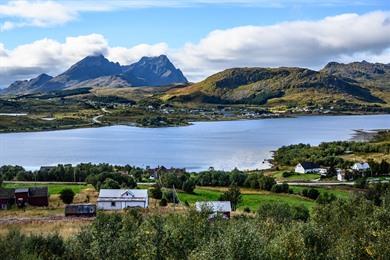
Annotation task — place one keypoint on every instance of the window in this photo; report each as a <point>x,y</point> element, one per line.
<point>113,204</point>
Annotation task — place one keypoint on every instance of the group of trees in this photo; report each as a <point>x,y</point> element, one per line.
<point>353,228</point>
<point>328,154</point>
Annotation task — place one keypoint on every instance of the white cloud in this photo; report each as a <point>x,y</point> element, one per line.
<point>312,44</point>
<point>34,13</point>
<point>299,43</point>
<point>46,13</point>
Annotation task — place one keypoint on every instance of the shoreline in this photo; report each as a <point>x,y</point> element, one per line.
<point>189,123</point>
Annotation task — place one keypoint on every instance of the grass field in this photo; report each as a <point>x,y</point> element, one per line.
<point>53,188</point>
<point>297,177</point>
<point>250,198</point>
<point>339,192</point>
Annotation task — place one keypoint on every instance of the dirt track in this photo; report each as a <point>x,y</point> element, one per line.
<point>50,219</point>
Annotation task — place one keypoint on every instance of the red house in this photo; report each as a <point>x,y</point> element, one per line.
<point>7,198</point>
<point>38,196</point>
<point>21,196</point>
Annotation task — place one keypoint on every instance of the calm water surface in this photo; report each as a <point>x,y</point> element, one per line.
<point>223,145</point>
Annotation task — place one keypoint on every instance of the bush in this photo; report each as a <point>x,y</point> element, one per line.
<point>326,198</point>
<point>110,184</point>
<point>266,182</point>
<point>67,196</point>
<point>189,186</point>
<point>163,202</point>
<point>361,183</point>
<point>311,193</point>
<point>247,210</point>
<point>287,174</point>
<point>280,188</point>
<point>156,192</point>
<point>170,197</point>
<point>282,212</point>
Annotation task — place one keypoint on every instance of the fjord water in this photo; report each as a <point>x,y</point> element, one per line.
<point>223,145</point>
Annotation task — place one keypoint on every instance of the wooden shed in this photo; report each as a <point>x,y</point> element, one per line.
<point>38,196</point>
<point>7,198</point>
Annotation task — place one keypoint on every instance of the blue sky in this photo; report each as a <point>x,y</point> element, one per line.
<point>200,36</point>
<point>178,25</point>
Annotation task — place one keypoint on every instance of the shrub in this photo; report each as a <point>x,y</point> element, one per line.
<point>282,212</point>
<point>156,192</point>
<point>247,210</point>
<point>110,184</point>
<point>163,202</point>
<point>326,198</point>
<point>266,182</point>
<point>287,174</point>
<point>188,186</point>
<point>233,195</point>
<point>280,188</point>
<point>310,193</point>
<point>170,197</point>
<point>67,195</point>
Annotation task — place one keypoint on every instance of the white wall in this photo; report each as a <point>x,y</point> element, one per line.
<point>106,205</point>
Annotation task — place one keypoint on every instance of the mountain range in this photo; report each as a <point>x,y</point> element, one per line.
<point>357,83</point>
<point>97,71</point>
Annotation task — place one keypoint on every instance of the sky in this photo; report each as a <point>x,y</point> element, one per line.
<point>200,37</point>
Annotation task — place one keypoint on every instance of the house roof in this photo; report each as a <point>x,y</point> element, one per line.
<point>7,193</point>
<point>21,190</point>
<point>123,193</point>
<point>310,165</point>
<point>38,192</point>
<point>215,206</point>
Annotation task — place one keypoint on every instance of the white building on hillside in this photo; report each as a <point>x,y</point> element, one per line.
<point>308,167</point>
<point>216,208</point>
<point>117,199</point>
<point>362,166</point>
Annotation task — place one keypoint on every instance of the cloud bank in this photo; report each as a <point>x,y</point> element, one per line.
<point>312,44</point>
<point>48,13</point>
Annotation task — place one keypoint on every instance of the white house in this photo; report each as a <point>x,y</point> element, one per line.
<point>340,175</point>
<point>216,207</point>
<point>362,166</point>
<point>117,199</point>
<point>308,167</point>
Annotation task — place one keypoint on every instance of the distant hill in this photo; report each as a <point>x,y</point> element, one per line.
<point>97,71</point>
<point>365,73</point>
<point>286,86</point>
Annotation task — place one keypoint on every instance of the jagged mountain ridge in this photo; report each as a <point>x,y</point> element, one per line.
<point>98,71</point>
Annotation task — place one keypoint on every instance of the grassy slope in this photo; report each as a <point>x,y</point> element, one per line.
<point>300,87</point>
<point>253,198</point>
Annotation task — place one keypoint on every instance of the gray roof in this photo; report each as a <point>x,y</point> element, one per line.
<point>21,190</point>
<point>38,192</point>
<point>7,193</point>
<point>310,165</point>
<point>214,206</point>
<point>123,193</point>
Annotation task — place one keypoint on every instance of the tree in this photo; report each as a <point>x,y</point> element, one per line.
<point>67,196</point>
<point>326,198</point>
<point>189,186</point>
<point>156,192</point>
<point>266,182</point>
<point>233,195</point>
<point>110,184</point>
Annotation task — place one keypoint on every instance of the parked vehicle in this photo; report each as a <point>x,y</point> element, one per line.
<point>82,210</point>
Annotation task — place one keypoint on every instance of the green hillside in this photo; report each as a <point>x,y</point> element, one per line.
<point>284,87</point>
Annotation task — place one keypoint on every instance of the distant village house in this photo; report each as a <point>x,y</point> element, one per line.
<point>361,167</point>
<point>216,208</point>
<point>118,199</point>
<point>309,167</point>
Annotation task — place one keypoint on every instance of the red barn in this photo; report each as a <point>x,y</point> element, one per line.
<point>38,196</point>
<point>21,196</point>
